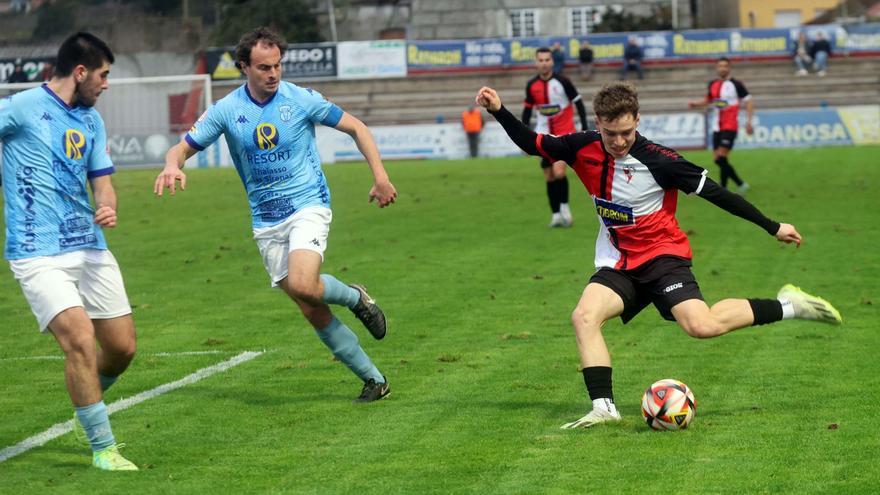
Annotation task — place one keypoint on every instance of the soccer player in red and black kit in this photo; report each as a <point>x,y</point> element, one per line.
<point>553,95</point>
<point>642,256</point>
<point>724,98</point>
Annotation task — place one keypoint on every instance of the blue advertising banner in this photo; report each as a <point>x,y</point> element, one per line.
<point>657,46</point>
<point>844,126</point>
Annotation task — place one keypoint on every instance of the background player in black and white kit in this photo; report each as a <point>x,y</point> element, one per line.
<point>552,96</point>
<point>642,256</point>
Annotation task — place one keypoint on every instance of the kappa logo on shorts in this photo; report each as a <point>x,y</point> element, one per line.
<point>315,242</point>
<point>673,287</point>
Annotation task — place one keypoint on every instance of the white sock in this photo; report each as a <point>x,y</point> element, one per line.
<point>787,308</point>
<point>606,404</point>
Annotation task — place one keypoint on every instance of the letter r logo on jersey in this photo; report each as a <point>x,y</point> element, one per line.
<point>266,136</point>
<point>74,144</point>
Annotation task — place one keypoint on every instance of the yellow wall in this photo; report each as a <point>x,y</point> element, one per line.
<point>765,9</point>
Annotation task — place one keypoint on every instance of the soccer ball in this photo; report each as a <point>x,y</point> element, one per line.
<point>668,405</point>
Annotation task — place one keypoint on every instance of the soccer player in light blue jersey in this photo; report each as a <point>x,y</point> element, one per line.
<point>269,126</point>
<point>54,143</point>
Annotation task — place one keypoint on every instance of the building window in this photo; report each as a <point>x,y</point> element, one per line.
<point>523,23</point>
<point>582,20</point>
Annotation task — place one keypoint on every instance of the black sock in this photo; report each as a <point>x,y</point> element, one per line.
<point>765,311</point>
<point>598,382</point>
<point>553,195</point>
<point>727,169</point>
<point>563,189</point>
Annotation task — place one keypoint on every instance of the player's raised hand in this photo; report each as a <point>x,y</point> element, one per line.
<point>488,98</point>
<point>384,193</point>
<point>788,234</point>
<point>168,178</point>
<point>105,216</point>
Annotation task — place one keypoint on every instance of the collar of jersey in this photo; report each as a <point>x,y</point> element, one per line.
<point>269,100</point>
<point>57,98</point>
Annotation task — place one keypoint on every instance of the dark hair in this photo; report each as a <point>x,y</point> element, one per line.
<point>82,49</point>
<point>248,41</point>
<point>724,59</point>
<point>543,49</point>
<point>616,99</point>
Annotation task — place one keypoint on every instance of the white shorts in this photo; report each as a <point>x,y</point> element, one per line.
<point>89,278</point>
<point>306,229</point>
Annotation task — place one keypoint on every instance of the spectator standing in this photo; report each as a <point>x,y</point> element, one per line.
<point>472,123</point>
<point>586,59</point>
<point>18,74</point>
<point>558,55</point>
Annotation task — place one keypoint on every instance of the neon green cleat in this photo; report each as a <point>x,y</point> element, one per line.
<point>110,459</point>
<point>809,307</point>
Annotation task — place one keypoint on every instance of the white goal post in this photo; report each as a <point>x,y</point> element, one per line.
<point>144,116</point>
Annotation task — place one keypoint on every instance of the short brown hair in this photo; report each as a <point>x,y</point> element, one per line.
<point>248,41</point>
<point>616,99</point>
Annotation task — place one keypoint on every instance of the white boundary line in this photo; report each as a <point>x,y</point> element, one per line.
<point>122,404</point>
<point>60,357</point>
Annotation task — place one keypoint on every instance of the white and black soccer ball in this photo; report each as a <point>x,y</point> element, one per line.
<point>668,405</point>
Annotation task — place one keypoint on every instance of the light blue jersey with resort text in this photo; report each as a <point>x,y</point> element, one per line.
<point>273,147</point>
<point>50,150</point>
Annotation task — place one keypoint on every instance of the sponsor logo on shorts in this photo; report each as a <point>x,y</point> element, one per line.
<point>613,214</point>
<point>673,287</point>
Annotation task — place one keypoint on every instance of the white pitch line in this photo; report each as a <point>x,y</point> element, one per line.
<point>59,357</point>
<point>65,427</point>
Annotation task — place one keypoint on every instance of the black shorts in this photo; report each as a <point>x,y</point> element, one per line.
<point>545,163</point>
<point>664,281</point>
<point>723,139</point>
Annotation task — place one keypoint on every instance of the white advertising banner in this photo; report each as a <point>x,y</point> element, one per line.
<point>371,59</point>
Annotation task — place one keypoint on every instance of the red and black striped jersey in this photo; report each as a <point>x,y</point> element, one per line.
<point>724,97</point>
<point>635,196</point>
<point>553,99</point>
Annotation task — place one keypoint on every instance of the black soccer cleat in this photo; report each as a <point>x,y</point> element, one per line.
<point>369,313</point>
<point>373,391</point>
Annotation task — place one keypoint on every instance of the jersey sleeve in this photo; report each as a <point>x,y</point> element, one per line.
<point>670,169</point>
<point>9,117</point>
<point>207,128</point>
<point>529,102</point>
<point>319,110</point>
<point>99,158</point>
<point>570,90</point>
<point>741,90</point>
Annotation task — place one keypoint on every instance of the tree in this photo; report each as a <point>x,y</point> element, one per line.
<point>293,19</point>
<point>54,19</point>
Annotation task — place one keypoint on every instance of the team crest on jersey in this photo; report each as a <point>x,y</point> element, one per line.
<point>285,112</point>
<point>628,173</point>
<point>266,136</point>
<point>74,144</point>
<point>613,214</point>
<point>90,122</point>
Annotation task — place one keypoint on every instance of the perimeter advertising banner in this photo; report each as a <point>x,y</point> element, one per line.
<point>439,56</point>
<point>845,126</point>
<point>298,61</point>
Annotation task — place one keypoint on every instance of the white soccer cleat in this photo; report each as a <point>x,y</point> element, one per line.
<point>565,211</point>
<point>809,307</point>
<point>592,418</point>
<point>743,188</point>
<point>557,220</point>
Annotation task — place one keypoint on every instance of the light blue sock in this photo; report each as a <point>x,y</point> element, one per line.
<point>343,343</point>
<point>106,381</point>
<point>335,292</point>
<point>96,423</point>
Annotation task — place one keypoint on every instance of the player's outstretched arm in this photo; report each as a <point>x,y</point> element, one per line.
<point>383,190</point>
<point>172,173</point>
<point>788,234</point>
<point>737,205</point>
<point>105,201</point>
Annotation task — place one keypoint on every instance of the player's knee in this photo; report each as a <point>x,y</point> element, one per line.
<point>700,329</point>
<point>302,289</point>
<point>584,319</point>
<point>80,346</point>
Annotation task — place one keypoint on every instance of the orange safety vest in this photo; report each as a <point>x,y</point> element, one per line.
<point>472,121</point>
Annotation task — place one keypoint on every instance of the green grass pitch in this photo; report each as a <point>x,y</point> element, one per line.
<point>480,352</point>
